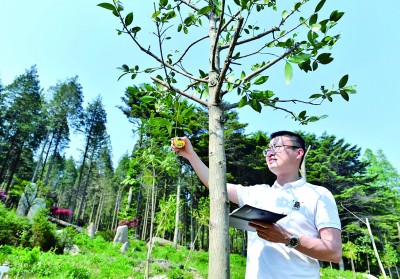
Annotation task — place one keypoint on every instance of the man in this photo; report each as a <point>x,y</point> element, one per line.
<point>311,231</point>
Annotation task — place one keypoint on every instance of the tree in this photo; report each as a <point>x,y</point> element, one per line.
<point>95,133</point>
<point>237,62</point>
<point>22,125</point>
<point>64,111</point>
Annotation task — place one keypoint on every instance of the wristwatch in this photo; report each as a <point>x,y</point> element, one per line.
<point>293,241</point>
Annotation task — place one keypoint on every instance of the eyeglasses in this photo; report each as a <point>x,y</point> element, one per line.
<point>277,148</point>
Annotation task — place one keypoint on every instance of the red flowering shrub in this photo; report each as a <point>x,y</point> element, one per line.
<point>132,223</point>
<point>60,213</point>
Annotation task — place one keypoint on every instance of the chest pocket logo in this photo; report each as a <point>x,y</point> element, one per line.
<point>296,205</point>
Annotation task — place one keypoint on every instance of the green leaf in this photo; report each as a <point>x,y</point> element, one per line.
<point>313,19</point>
<point>107,6</point>
<point>204,10</point>
<point>299,58</point>
<point>302,114</point>
<point>320,5</point>
<point>255,105</point>
<point>242,102</point>
<point>314,96</point>
<point>316,27</point>
<point>147,99</point>
<point>343,81</point>
<point>285,14</point>
<point>344,95</point>
<point>163,2</point>
<point>129,19</point>
<point>288,72</point>
<point>125,68</point>
<point>325,58</point>
<point>261,80</point>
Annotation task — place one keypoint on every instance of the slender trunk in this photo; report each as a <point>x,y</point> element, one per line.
<point>13,167</point>
<point>46,157</point>
<point>218,267</point>
<point>128,204</point>
<point>81,174</point>
<point>146,216</point>
<point>92,211</point>
<point>86,184</point>
<point>178,193</point>
<point>375,250</point>
<point>100,209</point>
<point>115,213</point>
<point>58,138</point>
<point>153,209</point>
<point>39,161</point>
<point>4,166</point>
<point>353,269</point>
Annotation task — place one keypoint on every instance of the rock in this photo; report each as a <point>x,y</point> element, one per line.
<point>73,250</point>
<point>37,204</point>
<point>122,235</point>
<point>91,230</point>
<point>26,199</point>
<point>124,247</point>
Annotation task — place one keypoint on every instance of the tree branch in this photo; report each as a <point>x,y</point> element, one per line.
<point>148,52</point>
<point>229,54</point>
<point>235,105</point>
<point>172,88</point>
<point>254,37</point>
<point>261,69</point>
<point>189,5</point>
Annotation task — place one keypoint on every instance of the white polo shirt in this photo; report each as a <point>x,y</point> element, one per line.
<point>309,208</point>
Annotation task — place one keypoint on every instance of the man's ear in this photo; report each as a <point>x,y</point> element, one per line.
<point>300,153</point>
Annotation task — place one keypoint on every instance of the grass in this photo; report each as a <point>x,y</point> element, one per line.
<point>101,259</point>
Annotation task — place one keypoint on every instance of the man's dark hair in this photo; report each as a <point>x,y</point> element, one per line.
<point>297,139</point>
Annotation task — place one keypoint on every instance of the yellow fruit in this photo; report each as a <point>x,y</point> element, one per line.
<point>178,143</point>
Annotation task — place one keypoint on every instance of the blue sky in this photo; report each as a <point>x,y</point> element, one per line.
<point>65,38</point>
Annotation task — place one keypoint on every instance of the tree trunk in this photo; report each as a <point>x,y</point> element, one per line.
<point>80,174</point>
<point>86,184</point>
<point>13,166</point>
<point>219,205</point>
<point>218,267</point>
<point>375,250</point>
<point>58,138</point>
<point>153,209</point>
<point>99,210</point>
<point>46,157</point>
<point>178,193</point>
<point>39,161</point>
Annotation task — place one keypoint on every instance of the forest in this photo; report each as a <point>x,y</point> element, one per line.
<point>160,189</point>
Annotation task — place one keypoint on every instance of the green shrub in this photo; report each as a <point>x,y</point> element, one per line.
<point>108,235</point>
<point>44,232</point>
<point>14,230</point>
<point>78,272</point>
<point>178,273</point>
<point>64,239</point>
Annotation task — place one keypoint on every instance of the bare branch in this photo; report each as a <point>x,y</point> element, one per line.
<point>189,5</point>
<point>160,47</point>
<point>261,69</point>
<point>148,52</point>
<point>172,88</point>
<point>187,49</point>
<point>263,34</point>
<point>235,105</point>
<point>229,55</point>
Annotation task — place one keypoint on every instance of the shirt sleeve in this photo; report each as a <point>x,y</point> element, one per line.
<point>327,215</point>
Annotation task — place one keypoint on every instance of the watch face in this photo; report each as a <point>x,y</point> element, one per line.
<point>293,241</point>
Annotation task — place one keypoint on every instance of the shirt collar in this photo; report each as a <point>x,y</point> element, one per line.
<point>293,184</point>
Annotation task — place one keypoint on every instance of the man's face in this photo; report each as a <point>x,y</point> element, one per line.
<point>282,154</point>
